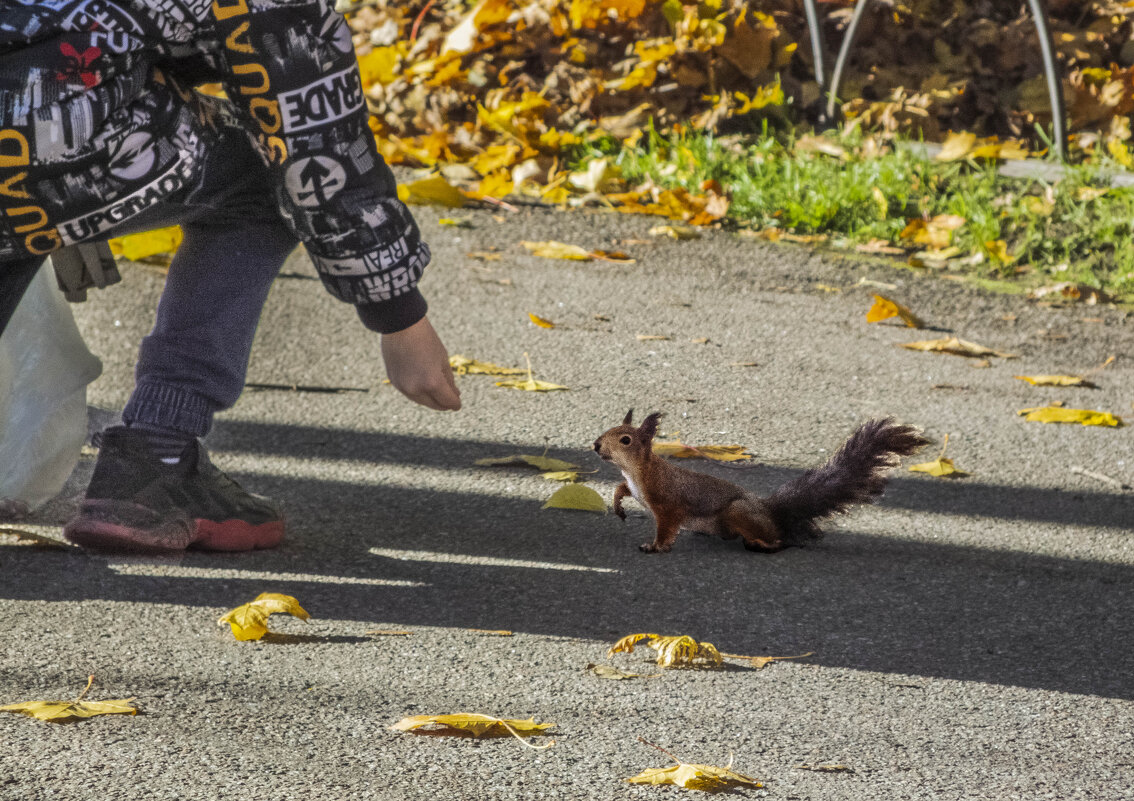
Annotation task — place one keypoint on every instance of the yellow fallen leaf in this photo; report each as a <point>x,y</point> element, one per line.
<point>146,244</point>
<point>37,540</point>
<point>455,222</point>
<point>717,453</point>
<point>691,776</point>
<point>433,191</point>
<point>558,250</point>
<point>677,651</point>
<point>997,250</point>
<point>957,347</point>
<point>542,322</point>
<point>561,475</point>
<point>544,463</point>
<point>1058,414</point>
<point>462,365</point>
<point>472,724</point>
<point>250,621</point>
<point>679,232</point>
<point>884,309</point>
<point>761,662</point>
<point>530,385</point>
<point>613,255</point>
<point>940,467</point>
<point>68,711</point>
<point>492,632</point>
<point>576,496</point>
<point>1056,380</point>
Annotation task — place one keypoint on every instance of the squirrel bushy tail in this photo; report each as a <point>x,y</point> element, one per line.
<point>855,474</point>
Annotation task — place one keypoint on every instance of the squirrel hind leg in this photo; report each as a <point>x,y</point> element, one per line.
<point>752,521</point>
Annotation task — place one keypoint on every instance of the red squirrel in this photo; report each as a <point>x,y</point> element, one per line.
<point>680,498</point>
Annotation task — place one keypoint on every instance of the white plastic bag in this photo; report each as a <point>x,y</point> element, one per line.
<point>44,371</point>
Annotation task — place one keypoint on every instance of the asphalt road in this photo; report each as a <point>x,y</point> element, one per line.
<point>972,639</point>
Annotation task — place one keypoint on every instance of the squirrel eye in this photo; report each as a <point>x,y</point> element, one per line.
<point>625,440</point>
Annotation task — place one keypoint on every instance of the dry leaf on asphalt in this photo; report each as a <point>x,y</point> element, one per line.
<point>462,365</point>
<point>146,244</point>
<point>827,768</point>
<point>761,662</point>
<point>545,463</point>
<point>473,724</point>
<point>1065,380</point>
<point>561,475</point>
<point>1058,414</point>
<point>1057,381</point>
<point>691,776</point>
<point>884,309</point>
<point>68,711</point>
<point>717,453</point>
<point>36,540</point>
<point>678,651</point>
<point>957,347</point>
<point>652,337</point>
<point>455,222</point>
<point>492,632</point>
<point>940,467</point>
<point>542,322</point>
<point>679,232</point>
<point>250,621</point>
<point>530,384</point>
<point>576,496</point>
<point>1071,292</point>
<point>561,250</point>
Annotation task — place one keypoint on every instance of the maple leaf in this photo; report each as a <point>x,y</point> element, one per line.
<point>676,651</point>
<point>576,496</point>
<point>474,724</point>
<point>250,621</point>
<point>884,308</point>
<point>69,711</point>
<point>1059,414</point>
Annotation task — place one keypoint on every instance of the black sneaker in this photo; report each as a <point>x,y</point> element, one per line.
<point>136,502</point>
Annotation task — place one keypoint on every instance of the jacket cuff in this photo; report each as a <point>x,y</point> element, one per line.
<point>396,314</point>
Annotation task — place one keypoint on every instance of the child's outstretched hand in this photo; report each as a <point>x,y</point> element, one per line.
<point>417,364</point>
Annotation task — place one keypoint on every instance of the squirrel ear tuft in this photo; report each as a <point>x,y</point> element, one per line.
<point>649,426</point>
<point>628,418</point>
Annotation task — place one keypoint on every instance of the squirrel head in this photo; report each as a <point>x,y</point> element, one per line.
<point>627,445</point>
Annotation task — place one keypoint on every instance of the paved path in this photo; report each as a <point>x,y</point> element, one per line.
<point>972,639</point>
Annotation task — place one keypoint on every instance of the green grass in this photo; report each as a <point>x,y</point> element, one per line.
<point>1053,231</point>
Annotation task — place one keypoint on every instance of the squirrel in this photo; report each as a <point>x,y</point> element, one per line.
<point>680,498</point>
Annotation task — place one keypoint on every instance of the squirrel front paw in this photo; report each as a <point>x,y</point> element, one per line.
<point>652,547</point>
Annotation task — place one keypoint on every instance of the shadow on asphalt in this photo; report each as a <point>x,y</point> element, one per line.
<point>454,559</point>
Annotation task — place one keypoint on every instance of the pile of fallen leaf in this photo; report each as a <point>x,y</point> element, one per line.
<point>505,86</point>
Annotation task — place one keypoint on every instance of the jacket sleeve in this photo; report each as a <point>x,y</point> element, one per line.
<point>289,66</point>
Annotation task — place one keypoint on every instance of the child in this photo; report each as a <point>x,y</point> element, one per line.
<point>102,134</point>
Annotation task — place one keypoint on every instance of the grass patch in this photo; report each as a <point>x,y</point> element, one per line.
<point>1028,231</point>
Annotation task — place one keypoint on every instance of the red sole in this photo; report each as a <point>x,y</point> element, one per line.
<point>115,527</point>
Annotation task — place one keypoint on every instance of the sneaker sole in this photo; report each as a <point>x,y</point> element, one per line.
<point>118,526</point>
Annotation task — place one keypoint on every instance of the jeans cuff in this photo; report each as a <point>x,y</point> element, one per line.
<point>169,406</point>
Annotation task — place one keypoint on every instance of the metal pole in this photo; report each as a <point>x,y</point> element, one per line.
<point>1054,77</point>
<point>817,53</point>
<point>844,53</point>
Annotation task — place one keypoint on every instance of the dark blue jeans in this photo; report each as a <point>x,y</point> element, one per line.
<point>193,363</point>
